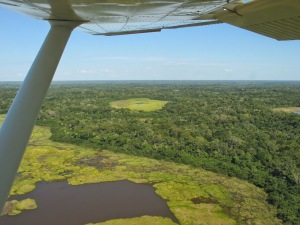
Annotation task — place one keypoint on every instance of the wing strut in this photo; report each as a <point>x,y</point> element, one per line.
<point>20,119</point>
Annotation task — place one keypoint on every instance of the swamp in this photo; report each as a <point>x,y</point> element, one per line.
<point>222,200</point>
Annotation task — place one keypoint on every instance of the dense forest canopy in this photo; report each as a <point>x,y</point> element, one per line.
<point>226,127</point>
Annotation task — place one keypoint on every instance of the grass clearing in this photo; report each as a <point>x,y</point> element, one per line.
<point>220,199</point>
<point>139,104</point>
<point>288,109</point>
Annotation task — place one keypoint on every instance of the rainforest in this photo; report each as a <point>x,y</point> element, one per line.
<point>237,129</point>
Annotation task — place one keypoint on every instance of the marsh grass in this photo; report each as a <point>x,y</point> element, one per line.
<point>224,200</point>
<point>144,220</point>
<point>15,207</point>
<point>143,104</point>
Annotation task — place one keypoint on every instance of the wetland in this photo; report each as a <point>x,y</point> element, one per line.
<point>220,199</point>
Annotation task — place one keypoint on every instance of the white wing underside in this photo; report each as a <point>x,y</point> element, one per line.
<point>279,19</point>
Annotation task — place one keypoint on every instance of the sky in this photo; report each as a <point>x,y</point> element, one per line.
<point>215,52</point>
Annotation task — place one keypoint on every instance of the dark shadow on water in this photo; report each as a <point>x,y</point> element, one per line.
<point>63,204</point>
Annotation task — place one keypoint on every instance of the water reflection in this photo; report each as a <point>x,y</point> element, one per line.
<point>61,204</point>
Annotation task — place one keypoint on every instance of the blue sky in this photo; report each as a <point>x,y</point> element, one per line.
<point>216,52</point>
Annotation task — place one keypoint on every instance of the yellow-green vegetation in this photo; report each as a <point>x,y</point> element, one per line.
<point>2,116</point>
<point>143,104</point>
<point>288,109</point>
<point>144,220</point>
<point>195,196</point>
<point>15,207</point>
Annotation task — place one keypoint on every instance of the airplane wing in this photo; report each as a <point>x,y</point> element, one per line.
<point>278,19</point>
<point>273,18</point>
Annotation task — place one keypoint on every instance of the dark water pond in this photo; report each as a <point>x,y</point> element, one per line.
<point>62,204</point>
<point>297,112</point>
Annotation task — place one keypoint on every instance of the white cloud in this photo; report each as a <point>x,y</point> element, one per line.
<point>227,70</point>
<point>84,71</point>
<point>20,74</point>
<point>132,59</point>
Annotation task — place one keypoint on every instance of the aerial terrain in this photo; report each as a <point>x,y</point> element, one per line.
<point>214,152</point>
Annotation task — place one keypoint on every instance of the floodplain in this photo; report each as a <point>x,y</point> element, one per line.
<point>193,195</point>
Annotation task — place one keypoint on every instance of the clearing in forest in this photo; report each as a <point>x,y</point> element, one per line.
<point>288,109</point>
<point>143,104</point>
